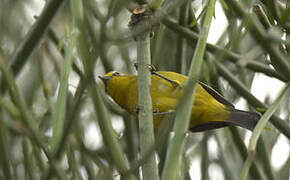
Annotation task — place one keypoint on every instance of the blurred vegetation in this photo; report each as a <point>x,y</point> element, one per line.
<point>52,51</point>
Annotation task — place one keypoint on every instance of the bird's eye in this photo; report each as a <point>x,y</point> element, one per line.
<point>116,74</point>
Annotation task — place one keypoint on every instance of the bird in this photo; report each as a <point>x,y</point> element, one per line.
<point>210,110</point>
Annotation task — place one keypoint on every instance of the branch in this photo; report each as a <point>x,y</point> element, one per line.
<point>145,116</point>
<point>183,111</point>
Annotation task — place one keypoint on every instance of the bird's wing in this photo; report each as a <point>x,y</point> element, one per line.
<point>216,95</point>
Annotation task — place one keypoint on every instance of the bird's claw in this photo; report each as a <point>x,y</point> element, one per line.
<point>153,70</point>
<point>150,67</point>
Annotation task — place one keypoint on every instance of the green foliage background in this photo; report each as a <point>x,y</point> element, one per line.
<point>49,98</point>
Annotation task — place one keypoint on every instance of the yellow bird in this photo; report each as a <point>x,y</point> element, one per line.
<point>210,109</point>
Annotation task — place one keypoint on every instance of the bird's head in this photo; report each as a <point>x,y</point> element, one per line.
<point>109,77</point>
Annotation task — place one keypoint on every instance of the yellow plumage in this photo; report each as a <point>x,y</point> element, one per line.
<point>210,110</point>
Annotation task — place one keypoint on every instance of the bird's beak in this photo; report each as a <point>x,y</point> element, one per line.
<point>105,80</point>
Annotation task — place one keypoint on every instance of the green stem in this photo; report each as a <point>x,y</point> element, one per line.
<point>242,149</point>
<point>73,164</point>
<point>273,8</point>
<point>33,37</point>
<point>181,41</point>
<point>28,165</point>
<point>222,155</point>
<point>39,158</point>
<point>183,112</point>
<point>158,45</point>
<point>72,116</point>
<point>264,156</point>
<point>52,36</point>
<point>5,156</point>
<point>205,161</point>
<point>247,165</point>
<point>258,10</point>
<point>60,110</point>
<point>149,168</point>
<point>76,107</point>
<point>264,119</point>
<point>258,129</point>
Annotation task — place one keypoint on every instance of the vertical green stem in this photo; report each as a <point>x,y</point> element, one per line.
<point>247,165</point>
<point>60,110</point>
<point>183,111</point>
<point>205,158</point>
<point>149,168</point>
<point>5,162</point>
<point>28,163</point>
<point>181,41</point>
<point>242,149</point>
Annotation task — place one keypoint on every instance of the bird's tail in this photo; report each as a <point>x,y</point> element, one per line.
<point>244,119</point>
